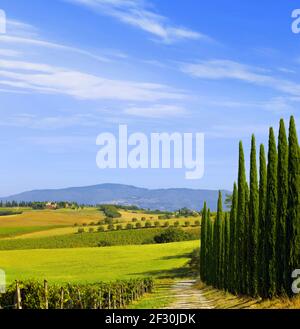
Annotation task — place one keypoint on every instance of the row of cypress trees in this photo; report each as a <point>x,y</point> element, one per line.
<point>254,248</point>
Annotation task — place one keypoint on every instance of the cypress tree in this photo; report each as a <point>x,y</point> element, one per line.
<point>262,216</point>
<point>210,255</point>
<point>219,242</point>
<point>240,220</point>
<point>215,253</point>
<point>253,223</point>
<point>226,252</point>
<point>232,247</point>
<point>271,216</point>
<point>245,287</point>
<point>282,179</point>
<point>293,215</point>
<point>203,243</point>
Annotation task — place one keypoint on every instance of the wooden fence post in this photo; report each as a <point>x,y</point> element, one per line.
<point>18,296</point>
<point>109,299</point>
<point>62,293</point>
<point>46,294</point>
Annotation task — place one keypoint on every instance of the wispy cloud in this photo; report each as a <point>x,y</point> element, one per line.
<point>10,52</point>
<point>30,121</point>
<point>50,79</point>
<point>227,69</point>
<point>137,13</point>
<point>156,111</point>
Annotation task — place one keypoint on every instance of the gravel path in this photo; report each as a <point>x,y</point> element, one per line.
<point>188,297</point>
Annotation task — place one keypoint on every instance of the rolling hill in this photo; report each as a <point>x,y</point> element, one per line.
<point>162,199</point>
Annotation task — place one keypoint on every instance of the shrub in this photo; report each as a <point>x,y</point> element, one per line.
<point>134,220</point>
<point>84,224</point>
<point>143,219</point>
<point>157,224</point>
<point>197,223</point>
<point>129,226</point>
<point>92,223</point>
<point>119,227</point>
<point>101,222</point>
<point>138,225</point>
<point>148,224</point>
<point>76,224</point>
<point>176,224</point>
<point>101,229</point>
<point>172,235</point>
<point>91,230</point>
<point>108,220</point>
<point>80,230</point>
<point>166,224</point>
<point>111,227</point>
<point>187,223</point>
<point>104,244</point>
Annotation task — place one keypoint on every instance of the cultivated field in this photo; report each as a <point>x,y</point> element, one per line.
<point>97,264</point>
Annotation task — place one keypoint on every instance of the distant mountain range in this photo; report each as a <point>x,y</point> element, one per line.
<point>163,199</point>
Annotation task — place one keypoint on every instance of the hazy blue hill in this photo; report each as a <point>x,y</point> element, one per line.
<point>163,199</point>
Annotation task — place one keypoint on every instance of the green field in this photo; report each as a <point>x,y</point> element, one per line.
<point>97,264</point>
<point>8,232</point>
<point>110,238</point>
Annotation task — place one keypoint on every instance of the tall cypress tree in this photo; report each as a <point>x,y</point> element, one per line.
<point>262,221</point>
<point>271,217</point>
<point>226,252</point>
<point>232,247</point>
<point>241,220</point>
<point>220,240</point>
<point>282,179</point>
<point>210,249</point>
<point>215,252</point>
<point>293,215</point>
<point>246,241</point>
<point>203,243</point>
<point>253,223</point>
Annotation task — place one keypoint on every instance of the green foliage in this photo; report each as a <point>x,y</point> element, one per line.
<point>253,223</point>
<point>194,262</point>
<point>282,198</point>
<point>256,251</point>
<point>262,269</point>
<point>293,207</point>
<point>271,217</point>
<point>124,237</point>
<point>172,235</point>
<point>241,210</point>
<point>8,212</point>
<point>110,211</point>
<point>77,296</point>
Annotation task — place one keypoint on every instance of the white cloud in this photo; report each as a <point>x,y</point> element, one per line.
<point>226,69</point>
<point>56,80</point>
<point>156,111</point>
<point>10,52</point>
<point>50,122</point>
<point>16,40</point>
<point>136,13</point>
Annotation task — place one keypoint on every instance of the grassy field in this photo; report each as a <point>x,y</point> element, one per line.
<point>9,232</point>
<point>111,238</point>
<point>51,217</point>
<point>97,264</point>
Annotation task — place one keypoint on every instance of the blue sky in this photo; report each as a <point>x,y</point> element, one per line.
<point>71,69</point>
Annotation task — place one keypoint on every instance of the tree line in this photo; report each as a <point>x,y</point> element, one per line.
<point>254,248</point>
